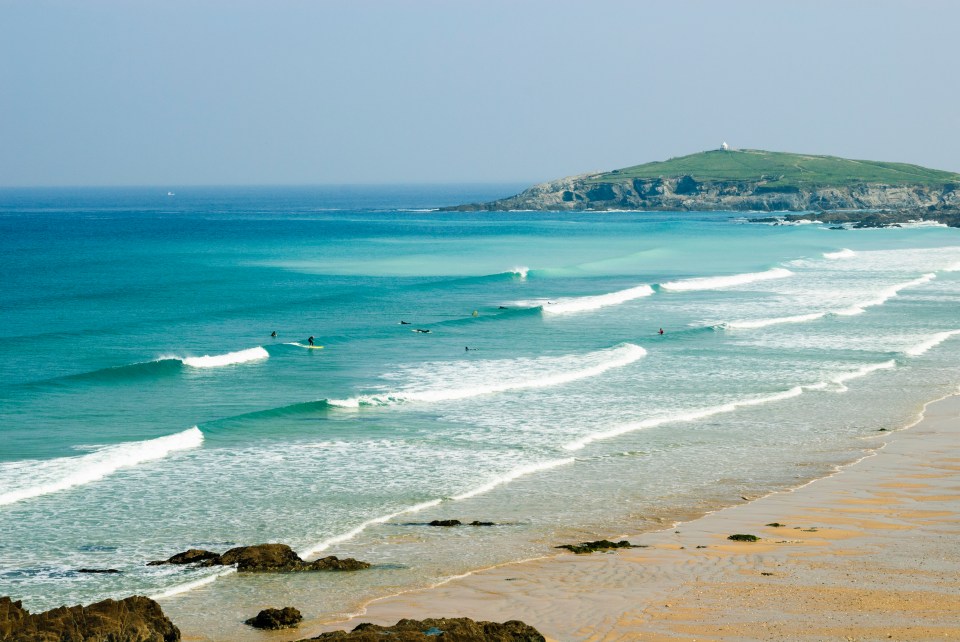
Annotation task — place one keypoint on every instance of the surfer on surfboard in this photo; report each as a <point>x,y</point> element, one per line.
<point>310,341</point>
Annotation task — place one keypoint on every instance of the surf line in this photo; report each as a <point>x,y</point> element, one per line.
<point>506,478</point>
<point>837,383</point>
<point>541,377</point>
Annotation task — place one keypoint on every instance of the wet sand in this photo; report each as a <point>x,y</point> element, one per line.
<point>869,553</point>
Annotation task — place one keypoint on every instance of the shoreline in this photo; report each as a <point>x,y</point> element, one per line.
<point>691,581</point>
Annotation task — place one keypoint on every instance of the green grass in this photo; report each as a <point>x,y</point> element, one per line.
<point>784,171</point>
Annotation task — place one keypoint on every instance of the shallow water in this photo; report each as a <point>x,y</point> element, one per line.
<point>146,408</point>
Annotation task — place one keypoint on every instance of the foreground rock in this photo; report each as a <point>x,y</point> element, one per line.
<point>459,629</point>
<point>273,619</point>
<point>133,619</point>
<point>599,545</point>
<point>263,558</point>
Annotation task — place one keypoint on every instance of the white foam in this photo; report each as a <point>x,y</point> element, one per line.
<point>230,358</point>
<point>884,296</point>
<point>953,267</point>
<point>189,586</point>
<point>513,474</point>
<point>840,254</point>
<point>502,375</point>
<point>692,415</point>
<point>840,380</point>
<point>587,303</point>
<point>858,308</point>
<point>929,343</point>
<point>520,271</point>
<point>25,479</point>
<point>716,282</point>
<point>337,539</point>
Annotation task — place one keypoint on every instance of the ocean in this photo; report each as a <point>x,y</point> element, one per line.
<point>503,367</point>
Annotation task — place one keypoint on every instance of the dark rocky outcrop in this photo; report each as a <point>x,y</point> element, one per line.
<point>273,619</point>
<point>187,557</point>
<point>599,545</point>
<point>98,570</point>
<point>264,558</point>
<point>445,522</point>
<point>133,619</point>
<point>858,219</point>
<point>459,629</point>
<point>743,537</point>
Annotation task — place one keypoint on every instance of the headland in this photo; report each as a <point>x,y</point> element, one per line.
<point>751,180</point>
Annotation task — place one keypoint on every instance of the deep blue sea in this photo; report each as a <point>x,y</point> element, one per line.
<point>503,367</point>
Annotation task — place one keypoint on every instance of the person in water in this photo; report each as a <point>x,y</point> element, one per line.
<point>273,334</point>
<point>661,331</point>
<point>310,340</point>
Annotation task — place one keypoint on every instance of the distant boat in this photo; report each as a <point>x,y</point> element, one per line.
<point>170,194</point>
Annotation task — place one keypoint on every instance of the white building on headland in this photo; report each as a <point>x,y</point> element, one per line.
<point>724,146</point>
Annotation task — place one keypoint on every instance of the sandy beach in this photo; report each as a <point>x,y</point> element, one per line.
<point>868,553</point>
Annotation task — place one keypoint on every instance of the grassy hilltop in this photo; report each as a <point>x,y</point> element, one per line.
<point>749,180</point>
<point>781,168</point>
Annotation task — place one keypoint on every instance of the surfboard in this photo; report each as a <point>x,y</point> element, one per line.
<point>302,345</point>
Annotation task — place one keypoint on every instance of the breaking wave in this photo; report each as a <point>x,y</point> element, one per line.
<point>716,282</point>
<point>493,376</point>
<point>228,359</point>
<point>585,303</point>
<point>932,342</point>
<point>840,254</point>
<point>26,479</point>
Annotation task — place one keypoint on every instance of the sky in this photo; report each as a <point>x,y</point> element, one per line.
<point>297,92</point>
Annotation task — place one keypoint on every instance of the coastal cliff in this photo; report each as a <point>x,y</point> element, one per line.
<point>744,180</point>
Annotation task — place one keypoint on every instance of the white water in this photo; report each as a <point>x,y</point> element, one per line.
<point>840,254</point>
<point>494,376</point>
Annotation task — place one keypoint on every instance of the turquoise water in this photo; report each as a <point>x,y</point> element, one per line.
<point>146,409</point>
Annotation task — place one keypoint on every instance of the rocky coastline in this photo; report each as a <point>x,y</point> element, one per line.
<point>687,194</point>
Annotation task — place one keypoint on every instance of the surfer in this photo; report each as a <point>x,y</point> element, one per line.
<point>422,330</point>
<point>661,331</point>
<point>310,341</point>
<point>476,313</point>
<point>404,323</point>
<point>274,334</point>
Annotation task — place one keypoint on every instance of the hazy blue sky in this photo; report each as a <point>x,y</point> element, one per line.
<point>171,92</point>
